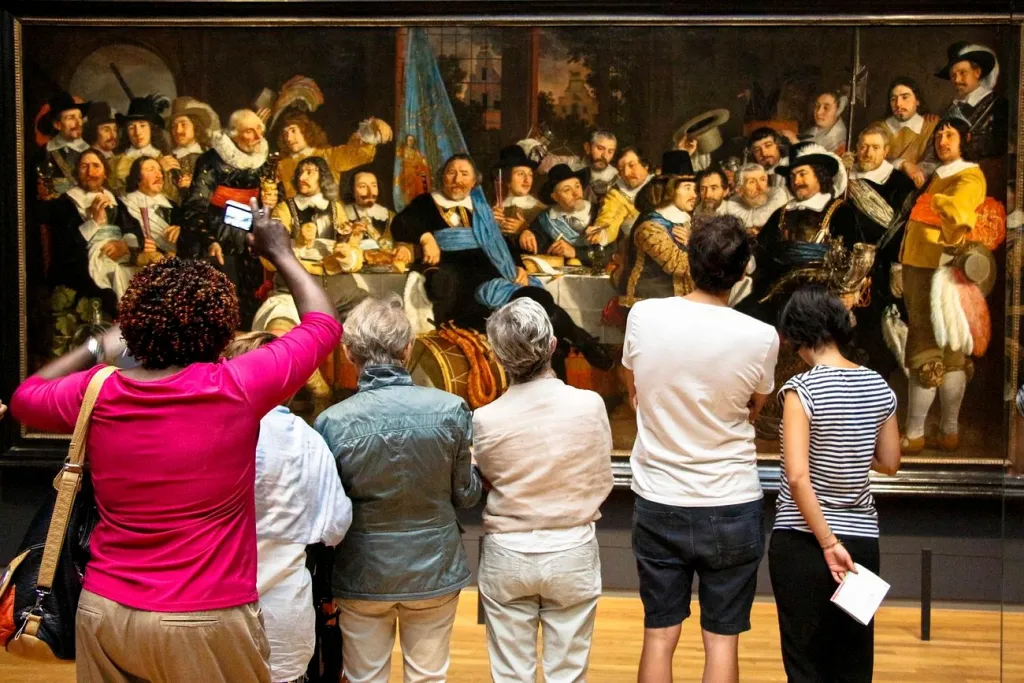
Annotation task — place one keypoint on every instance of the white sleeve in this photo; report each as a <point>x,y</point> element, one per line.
<point>332,507</point>
<point>768,372</point>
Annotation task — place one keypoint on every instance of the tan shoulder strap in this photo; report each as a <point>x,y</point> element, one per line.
<point>68,482</point>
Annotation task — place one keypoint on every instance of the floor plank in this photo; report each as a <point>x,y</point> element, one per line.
<point>965,647</point>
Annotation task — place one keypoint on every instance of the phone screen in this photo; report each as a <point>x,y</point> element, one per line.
<point>238,216</point>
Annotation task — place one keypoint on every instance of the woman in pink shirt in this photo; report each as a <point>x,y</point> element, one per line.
<point>170,589</point>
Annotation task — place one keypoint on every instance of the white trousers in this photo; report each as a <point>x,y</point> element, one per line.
<point>424,628</point>
<point>556,592</point>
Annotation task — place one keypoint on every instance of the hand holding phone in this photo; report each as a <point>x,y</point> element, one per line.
<point>267,236</point>
<point>238,215</point>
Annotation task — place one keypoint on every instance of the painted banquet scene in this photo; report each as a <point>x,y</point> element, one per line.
<point>350,319</point>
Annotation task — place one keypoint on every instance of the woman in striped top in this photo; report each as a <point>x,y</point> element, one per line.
<point>839,423</point>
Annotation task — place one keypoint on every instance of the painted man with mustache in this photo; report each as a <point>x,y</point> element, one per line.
<point>469,267</point>
<point>62,123</point>
<point>373,222</point>
<point>797,237</point>
<point>618,211</point>
<point>940,223</point>
<point>92,253</point>
<point>599,152</point>
<point>562,229</point>
<point>231,169</point>
<point>910,131</point>
<point>145,207</point>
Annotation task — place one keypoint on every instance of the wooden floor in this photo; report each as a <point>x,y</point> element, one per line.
<point>965,648</point>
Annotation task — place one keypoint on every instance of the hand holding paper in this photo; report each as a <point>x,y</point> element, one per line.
<point>860,594</point>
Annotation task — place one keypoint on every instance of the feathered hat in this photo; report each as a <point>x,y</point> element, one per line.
<point>983,56</point>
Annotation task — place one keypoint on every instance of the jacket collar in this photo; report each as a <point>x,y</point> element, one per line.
<point>377,376</point>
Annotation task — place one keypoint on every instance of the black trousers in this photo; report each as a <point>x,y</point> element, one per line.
<point>820,642</point>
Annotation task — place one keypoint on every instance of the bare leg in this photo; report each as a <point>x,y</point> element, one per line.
<point>721,658</point>
<point>656,657</point>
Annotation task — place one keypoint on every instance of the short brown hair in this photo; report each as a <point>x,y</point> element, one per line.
<point>311,131</point>
<point>246,342</point>
<point>875,129</point>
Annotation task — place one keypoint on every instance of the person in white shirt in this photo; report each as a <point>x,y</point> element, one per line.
<point>299,501</point>
<point>545,447</point>
<point>698,373</point>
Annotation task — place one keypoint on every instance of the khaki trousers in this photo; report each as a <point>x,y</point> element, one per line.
<point>368,637</point>
<point>556,592</point>
<point>117,644</point>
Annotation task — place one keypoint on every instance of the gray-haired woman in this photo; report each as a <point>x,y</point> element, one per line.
<point>545,448</point>
<point>403,456</point>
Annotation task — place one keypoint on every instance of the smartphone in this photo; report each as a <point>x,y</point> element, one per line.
<point>238,215</point>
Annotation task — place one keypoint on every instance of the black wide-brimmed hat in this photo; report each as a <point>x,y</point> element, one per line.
<point>966,51</point>
<point>813,154</point>
<point>61,102</point>
<point>513,156</point>
<point>560,173</point>
<point>99,113</point>
<point>149,108</point>
<point>677,162</point>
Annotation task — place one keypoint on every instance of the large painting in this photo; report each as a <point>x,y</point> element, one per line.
<point>877,161</point>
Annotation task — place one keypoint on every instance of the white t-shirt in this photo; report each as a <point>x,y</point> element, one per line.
<point>695,367</point>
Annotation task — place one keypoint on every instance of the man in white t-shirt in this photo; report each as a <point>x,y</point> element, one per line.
<point>698,373</point>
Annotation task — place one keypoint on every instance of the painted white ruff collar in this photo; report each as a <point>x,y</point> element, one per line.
<point>232,156</point>
<point>526,202</point>
<point>582,214</point>
<point>815,203</point>
<point>83,200</point>
<point>953,167</point>
<point>880,175</point>
<point>674,214</point>
<point>447,204</point>
<point>147,151</point>
<point>914,123</point>
<point>631,194</point>
<point>317,201</point>
<point>607,175</point>
<point>60,142</point>
<point>180,152</point>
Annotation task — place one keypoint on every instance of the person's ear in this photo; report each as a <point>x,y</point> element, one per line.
<point>552,344</point>
<point>407,354</point>
<point>348,355</point>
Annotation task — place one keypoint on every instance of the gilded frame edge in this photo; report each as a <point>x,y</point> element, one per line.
<point>621,457</point>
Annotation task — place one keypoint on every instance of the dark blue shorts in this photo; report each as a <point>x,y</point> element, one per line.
<point>723,545</point>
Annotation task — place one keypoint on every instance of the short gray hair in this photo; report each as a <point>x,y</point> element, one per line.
<point>748,168</point>
<point>520,334</point>
<point>377,332</point>
<point>597,134</point>
<point>240,117</point>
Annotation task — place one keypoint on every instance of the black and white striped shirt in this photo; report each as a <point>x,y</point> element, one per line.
<point>846,408</point>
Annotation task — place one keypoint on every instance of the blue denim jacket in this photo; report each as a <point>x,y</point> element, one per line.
<point>404,460</point>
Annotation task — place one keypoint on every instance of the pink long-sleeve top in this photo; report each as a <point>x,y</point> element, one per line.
<point>173,467</point>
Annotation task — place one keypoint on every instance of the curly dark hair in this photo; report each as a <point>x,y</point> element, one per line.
<point>328,187</point>
<point>826,182</point>
<point>719,251</point>
<point>177,312</point>
<point>813,318</point>
<point>135,173</point>
<point>311,130</point>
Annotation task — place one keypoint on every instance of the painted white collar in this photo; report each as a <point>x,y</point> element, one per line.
<point>880,175</point>
<point>448,204</point>
<point>975,96</point>
<point>83,200</point>
<point>317,201</point>
<point>914,123</point>
<point>147,151</point>
<point>674,214</point>
<point>816,203</point>
<point>232,156</point>
<point>582,214</point>
<point>953,167</point>
<point>607,175</point>
<point>526,202</point>
<point>621,185</point>
<point>60,142</point>
<point>377,212</point>
<point>181,152</point>
<point>139,199</point>
<point>103,152</point>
